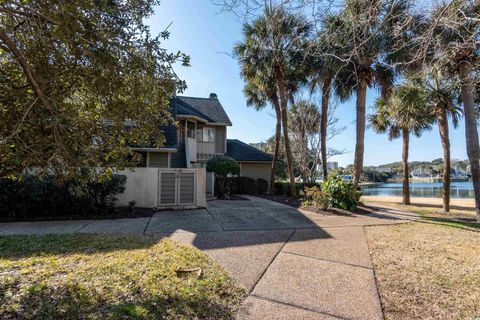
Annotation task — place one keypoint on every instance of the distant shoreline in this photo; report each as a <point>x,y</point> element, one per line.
<point>428,179</point>
<point>468,203</point>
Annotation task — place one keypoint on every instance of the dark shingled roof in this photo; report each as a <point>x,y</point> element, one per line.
<point>206,108</point>
<point>241,151</point>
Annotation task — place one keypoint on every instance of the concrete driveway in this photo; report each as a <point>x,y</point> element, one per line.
<point>293,264</point>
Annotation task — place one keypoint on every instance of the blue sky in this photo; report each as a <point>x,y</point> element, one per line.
<point>200,30</point>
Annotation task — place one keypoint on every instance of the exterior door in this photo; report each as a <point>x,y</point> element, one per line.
<point>186,187</point>
<point>177,187</point>
<point>167,187</point>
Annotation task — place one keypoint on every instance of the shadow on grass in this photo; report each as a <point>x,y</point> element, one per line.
<point>61,277</point>
<point>21,246</point>
<point>472,226</point>
<point>72,301</point>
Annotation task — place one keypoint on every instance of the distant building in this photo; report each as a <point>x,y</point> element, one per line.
<point>332,166</point>
<point>458,173</point>
<point>259,145</point>
<point>384,169</point>
<point>421,173</point>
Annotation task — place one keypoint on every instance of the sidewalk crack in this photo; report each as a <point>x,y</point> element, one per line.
<point>270,263</point>
<point>297,306</point>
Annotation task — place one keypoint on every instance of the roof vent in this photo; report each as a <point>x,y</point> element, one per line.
<point>213,96</point>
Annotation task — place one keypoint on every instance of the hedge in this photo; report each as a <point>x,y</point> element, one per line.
<point>247,185</point>
<point>31,198</point>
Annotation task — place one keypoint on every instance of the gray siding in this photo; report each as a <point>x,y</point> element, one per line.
<point>158,159</point>
<point>220,139</point>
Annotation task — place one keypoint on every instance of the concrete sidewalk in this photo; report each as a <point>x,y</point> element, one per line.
<point>293,264</point>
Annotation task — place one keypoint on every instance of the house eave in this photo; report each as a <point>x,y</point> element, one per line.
<point>155,149</point>
<point>254,161</point>
<point>185,117</point>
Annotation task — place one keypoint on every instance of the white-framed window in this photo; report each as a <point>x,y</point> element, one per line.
<point>199,133</point>
<point>190,129</point>
<point>208,134</point>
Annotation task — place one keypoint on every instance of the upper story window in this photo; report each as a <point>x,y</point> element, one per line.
<point>191,130</point>
<point>199,133</point>
<point>205,134</point>
<point>208,134</point>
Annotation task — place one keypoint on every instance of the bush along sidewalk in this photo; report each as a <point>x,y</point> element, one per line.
<point>30,197</point>
<point>333,192</point>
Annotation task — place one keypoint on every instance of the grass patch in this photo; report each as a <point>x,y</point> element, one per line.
<point>455,218</point>
<point>426,271</point>
<point>110,277</point>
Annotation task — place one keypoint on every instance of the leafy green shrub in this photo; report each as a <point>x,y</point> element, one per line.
<point>317,198</point>
<point>343,193</point>
<point>223,166</point>
<point>30,197</point>
<point>102,193</point>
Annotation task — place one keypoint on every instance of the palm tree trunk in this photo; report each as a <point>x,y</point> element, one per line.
<point>406,173</point>
<point>283,107</point>
<point>360,130</point>
<point>323,125</point>
<point>471,132</point>
<point>443,130</point>
<point>278,133</point>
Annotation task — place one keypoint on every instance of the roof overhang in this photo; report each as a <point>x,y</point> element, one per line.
<point>191,117</point>
<point>256,161</point>
<point>155,149</point>
<point>186,117</point>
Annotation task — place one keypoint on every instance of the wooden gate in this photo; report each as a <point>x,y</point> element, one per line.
<point>177,187</point>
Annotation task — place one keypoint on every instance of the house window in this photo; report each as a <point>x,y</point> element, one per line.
<point>191,130</point>
<point>199,133</point>
<point>208,134</point>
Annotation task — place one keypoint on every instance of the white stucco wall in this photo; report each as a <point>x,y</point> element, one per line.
<point>201,187</point>
<point>142,187</point>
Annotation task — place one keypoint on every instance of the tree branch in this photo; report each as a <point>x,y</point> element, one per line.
<point>29,73</point>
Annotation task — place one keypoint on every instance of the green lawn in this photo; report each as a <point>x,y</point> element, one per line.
<point>113,277</point>
<point>433,214</point>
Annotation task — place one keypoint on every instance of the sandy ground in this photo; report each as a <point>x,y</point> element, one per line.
<point>466,203</point>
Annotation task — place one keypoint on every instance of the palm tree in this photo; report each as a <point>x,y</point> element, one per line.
<point>324,70</point>
<point>368,36</point>
<point>259,90</point>
<point>276,42</point>
<point>398,116</point>
<point>440,95</point>
<point>455,45</point>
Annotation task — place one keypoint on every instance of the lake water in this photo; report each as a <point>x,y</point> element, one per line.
<point>421,189</point>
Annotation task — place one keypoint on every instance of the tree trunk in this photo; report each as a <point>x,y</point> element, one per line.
<point>360,130</point>
<point>406,173</point>
<point>443,130</point>
<point>323,125</point>
<point>471,132</point>
<point>283,107</point>
<point>278,134</point>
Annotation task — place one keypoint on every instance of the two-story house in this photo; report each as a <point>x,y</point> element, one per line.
<point>200,134</point>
